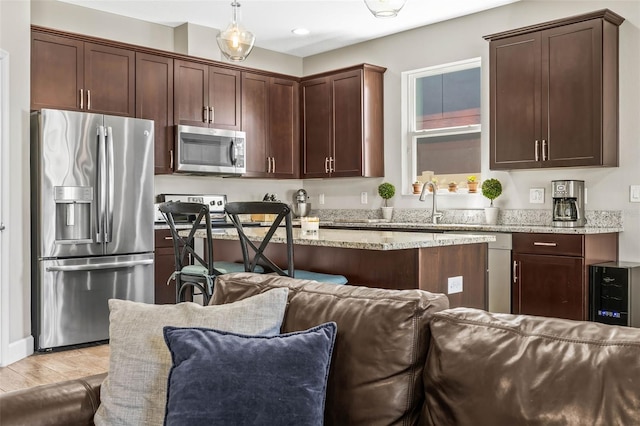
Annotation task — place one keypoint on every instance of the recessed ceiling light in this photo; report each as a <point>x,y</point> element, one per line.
<point>300,31</point>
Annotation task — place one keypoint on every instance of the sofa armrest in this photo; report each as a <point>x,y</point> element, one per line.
<point>72,402</point>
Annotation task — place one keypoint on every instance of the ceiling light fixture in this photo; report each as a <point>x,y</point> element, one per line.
<point>235,42</point>
<point>300,31</point>
<point>385,8</point>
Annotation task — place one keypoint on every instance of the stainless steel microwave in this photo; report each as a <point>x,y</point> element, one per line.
<point>202,150</point>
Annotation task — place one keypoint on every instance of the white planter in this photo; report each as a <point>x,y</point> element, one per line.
<point>387,212</point>
<point>491,215</point>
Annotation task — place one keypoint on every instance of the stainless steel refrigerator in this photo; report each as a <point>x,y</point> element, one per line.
<point>92,222</point>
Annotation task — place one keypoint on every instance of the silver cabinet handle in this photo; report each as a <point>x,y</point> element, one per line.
<point>544,150</point>
<point>205,114</point>
<point>81,99</point>
<point>538,243</point>
<point>2,228</point>
<point>332,164</point>
<point>515,272</point>
<point>168,238</point>
<point>326,164</point>
<point>273,159</point>
<point>88,99</point>
<point>212,115</point>
<point>171,159</point>
<point>535,153</point>
<point>268,164</point>
<point>111,265</point>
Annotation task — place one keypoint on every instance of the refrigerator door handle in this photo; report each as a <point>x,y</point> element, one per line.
<point>102,178</point>
<point>109,187</point>
<point>110,265</point>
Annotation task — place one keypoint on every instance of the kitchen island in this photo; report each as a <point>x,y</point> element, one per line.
<point>383,259</point>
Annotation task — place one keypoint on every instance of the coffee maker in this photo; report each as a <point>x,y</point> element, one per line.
<point>568,203</point>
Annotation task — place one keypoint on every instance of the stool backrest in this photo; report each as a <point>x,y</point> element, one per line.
<point>184,246</point>
<point>253,251</point>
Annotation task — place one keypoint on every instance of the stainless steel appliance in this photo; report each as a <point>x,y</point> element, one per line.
<point>216,203</point>
<point>568,203</point>
<point>201,150</point>
<point>92,227</point>
<point>301,208</point>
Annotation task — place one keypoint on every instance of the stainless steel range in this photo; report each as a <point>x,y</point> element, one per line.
<point>216,203</point>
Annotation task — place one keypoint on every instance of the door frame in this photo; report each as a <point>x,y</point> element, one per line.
<point>4,203</point>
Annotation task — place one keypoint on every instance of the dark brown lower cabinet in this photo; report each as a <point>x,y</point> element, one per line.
<point>550,272</point>
<point>164,267</point>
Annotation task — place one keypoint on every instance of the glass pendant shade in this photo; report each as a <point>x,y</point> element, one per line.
<point>235,42</point>
<point>385,8</point>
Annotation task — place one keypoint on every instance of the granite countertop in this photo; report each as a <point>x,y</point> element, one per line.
<point>380,223</point>
<point>358,239</point>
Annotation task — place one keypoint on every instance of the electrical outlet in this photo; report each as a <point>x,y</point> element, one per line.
<point>363,198</point>
<point>634,194</point>
<point>454,285</point>
<point>536,195</point>
<point>321,199</point>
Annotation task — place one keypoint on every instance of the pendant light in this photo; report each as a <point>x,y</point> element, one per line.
<point>235,42</point>
<point>385,8</point>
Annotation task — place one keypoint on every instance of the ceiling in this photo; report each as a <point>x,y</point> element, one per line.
<point>332,23</point>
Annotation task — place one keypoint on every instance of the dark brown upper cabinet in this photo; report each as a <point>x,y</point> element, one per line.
<point>206,95</point>
<point>342,123</point>
<point>554,94</point>
<point>154,101</point>
<point>270,120</point>
<point>72,74</point>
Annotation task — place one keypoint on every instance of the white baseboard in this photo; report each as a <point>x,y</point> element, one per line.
<point>18,350</point>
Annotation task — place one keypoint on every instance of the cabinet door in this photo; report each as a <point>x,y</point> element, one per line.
<point>515,79</point>
<point>57,71</point>
<point>317,124</point>
<point>224,98</point>
<point>191,93</point>
<point>255,113</point>
<point>109,79</point>
<point>551,286</point>
<point>284,140</point>
<point>154,101</point>
<point>347,123</point>
<point>572,94</point>
<point>164,263</point>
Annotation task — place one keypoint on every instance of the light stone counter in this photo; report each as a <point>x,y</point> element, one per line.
<point>359,239</point>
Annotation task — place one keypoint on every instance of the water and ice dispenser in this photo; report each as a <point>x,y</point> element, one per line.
<point>73,213</point>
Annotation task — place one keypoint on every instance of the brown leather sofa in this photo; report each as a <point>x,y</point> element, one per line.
<point>402,358</point>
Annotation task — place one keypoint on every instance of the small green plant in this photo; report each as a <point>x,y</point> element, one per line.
<point>491,188</point>
<point>386,190</point>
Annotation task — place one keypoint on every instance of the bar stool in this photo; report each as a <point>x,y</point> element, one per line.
<point>201,274</point>
<point>258,257</point>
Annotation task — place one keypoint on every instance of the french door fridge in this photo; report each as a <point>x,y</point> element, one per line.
<point>92,222</point>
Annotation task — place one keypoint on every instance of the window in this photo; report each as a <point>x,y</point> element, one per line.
<point>442,122</point>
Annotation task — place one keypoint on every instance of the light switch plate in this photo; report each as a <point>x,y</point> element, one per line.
<point>454,285</point>
<point>363,198</point>
<point>536,195</point>
<point>634,194</point>
<point>321,199</point>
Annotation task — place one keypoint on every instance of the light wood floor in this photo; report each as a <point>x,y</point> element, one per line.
<point>40,369</point>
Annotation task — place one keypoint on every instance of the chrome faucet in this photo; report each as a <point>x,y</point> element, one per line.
<point>435,214</point>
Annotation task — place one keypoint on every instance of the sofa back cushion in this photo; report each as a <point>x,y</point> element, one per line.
<point>380,347</point>
<point>500,369</point>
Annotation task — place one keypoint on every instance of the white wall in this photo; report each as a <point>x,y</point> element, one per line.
<point>457,39</point>
<point>15,40</point>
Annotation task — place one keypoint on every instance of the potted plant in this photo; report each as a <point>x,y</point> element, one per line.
<point>453,187</point>
<point>386,190</point>
<point>491,188</point>
<point>434,180</point>
<point>417,187</point>
<point>472,184</point>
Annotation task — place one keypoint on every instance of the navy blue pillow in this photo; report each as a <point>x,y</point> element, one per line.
<point>223,378</point>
